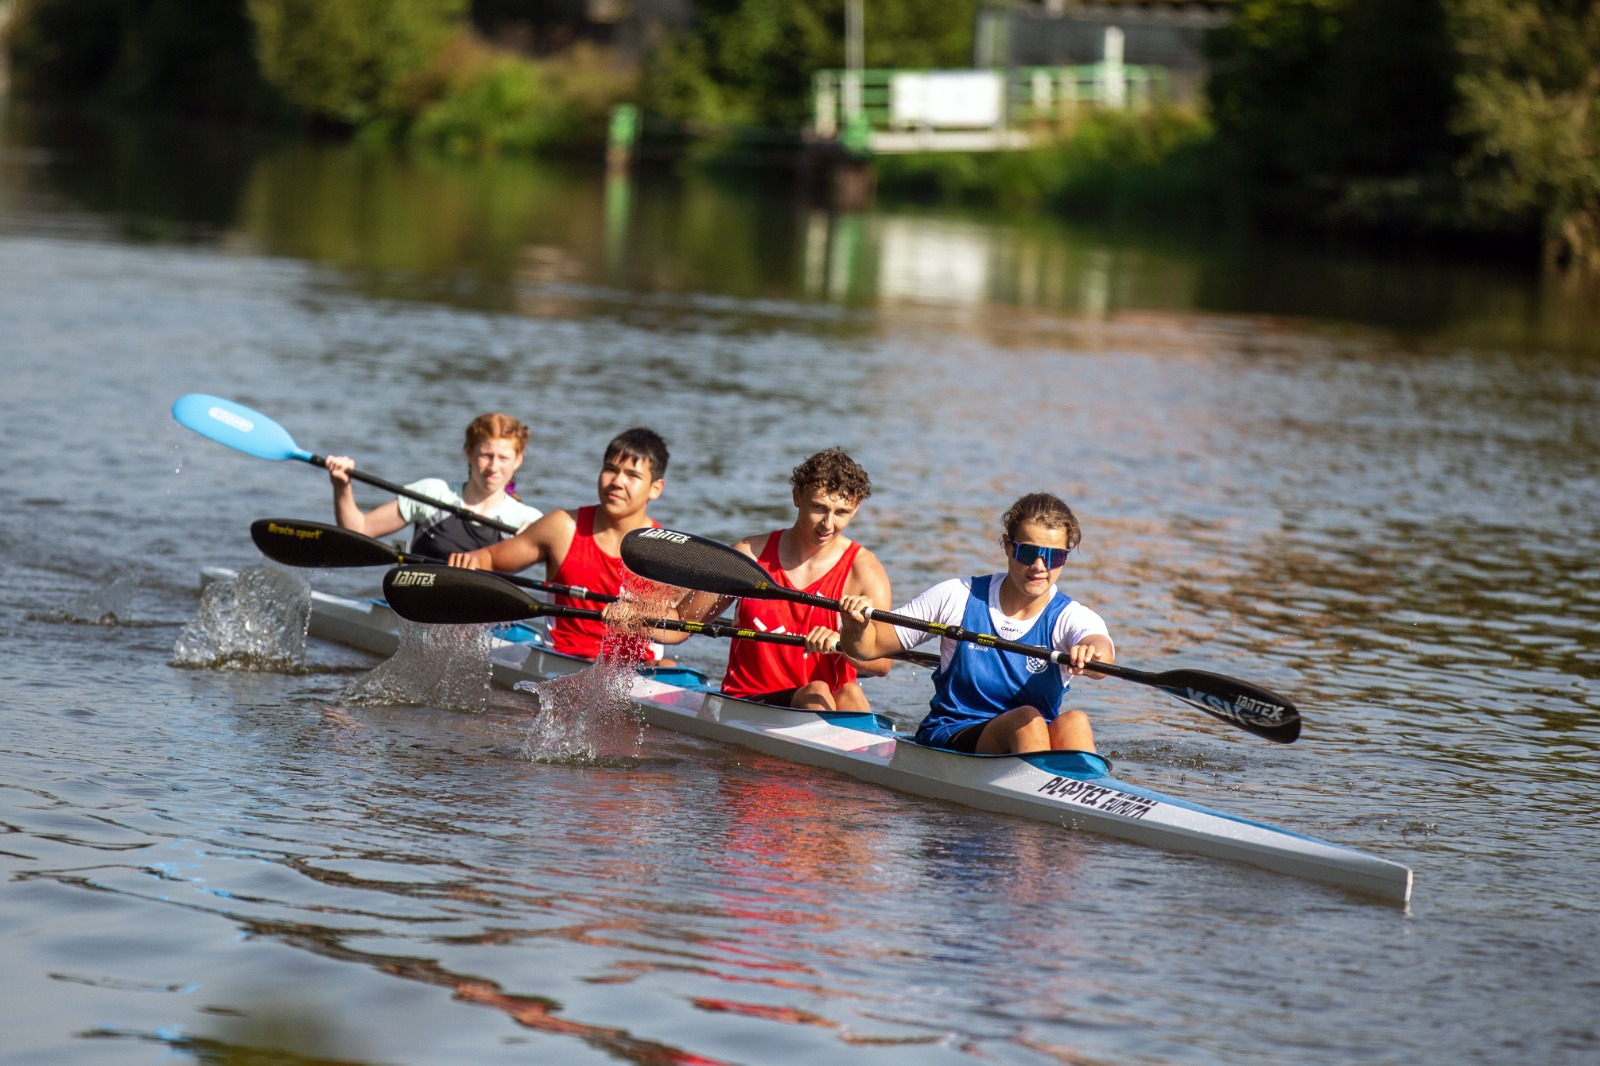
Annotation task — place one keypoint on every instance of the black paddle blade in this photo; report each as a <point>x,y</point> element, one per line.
<point>449,595</point>
<point>293,542</point>
<point>1250,707</point>
<point>692,562</point>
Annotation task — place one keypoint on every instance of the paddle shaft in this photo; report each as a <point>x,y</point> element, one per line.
<point>1239,703</point>
<point>249,431</point>
<point>715,629</point>
<point>688,560</point>
<point>577,592</point>
<point>300,542</point>
<point>988,640</point>
<point>445,595</point>
<point>704,629</point>
<point>401,490</point>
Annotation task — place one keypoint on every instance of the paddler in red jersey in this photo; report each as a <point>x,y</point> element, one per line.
<point>583,547</point>
<point>812,555</point>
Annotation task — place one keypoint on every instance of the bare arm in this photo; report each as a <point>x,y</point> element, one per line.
<point>689,609</point>
<point>863,640</point>
<point>868,578</point>
<point>704,606</point>
<point>378,522</point>
<point>546,540</point>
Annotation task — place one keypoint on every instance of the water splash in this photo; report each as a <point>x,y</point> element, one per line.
<point>108,606</point>
<point>590,716</point>
<point>586,717</point>
<point>255,620</point>
<point>435,666</point>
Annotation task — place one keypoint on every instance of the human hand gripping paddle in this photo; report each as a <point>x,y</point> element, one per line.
<point>689,561</point>
<point>294,542</point>
<point>450,595</point>
<point>255,434</point>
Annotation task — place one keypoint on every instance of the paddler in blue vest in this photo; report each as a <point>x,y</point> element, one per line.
<point>987,701</point>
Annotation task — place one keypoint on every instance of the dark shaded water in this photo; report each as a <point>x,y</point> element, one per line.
<point>1372,485</point>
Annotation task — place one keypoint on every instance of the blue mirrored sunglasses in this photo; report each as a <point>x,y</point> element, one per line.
<point>1027,553</point>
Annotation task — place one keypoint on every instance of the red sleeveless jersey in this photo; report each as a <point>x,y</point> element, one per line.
<point>593,569</point>
<point>755,668</point>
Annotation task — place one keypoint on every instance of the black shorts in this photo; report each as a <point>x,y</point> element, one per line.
<point>966,741</point>
<point>781,698</point>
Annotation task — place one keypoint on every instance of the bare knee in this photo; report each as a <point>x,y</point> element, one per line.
<point>851,697</point>
<point>813,697</point>
<point>1017,730</point>
<point>1071,731</point>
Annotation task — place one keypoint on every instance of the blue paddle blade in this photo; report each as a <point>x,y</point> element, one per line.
<point>236,426</point>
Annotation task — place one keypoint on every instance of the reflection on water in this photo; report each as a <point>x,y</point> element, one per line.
<point>541,237</point>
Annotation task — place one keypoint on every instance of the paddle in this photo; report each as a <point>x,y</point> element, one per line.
<point>294,542</point>
<point>449,595</point>
<point>689,561</point>
<point>255,434</point>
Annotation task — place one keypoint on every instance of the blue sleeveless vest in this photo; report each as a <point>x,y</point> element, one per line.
<point>981,682</point>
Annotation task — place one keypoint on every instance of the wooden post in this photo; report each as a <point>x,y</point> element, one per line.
<point>853,183</point>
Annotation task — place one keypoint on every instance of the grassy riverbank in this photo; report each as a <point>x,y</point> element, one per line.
<point>1112,167</point>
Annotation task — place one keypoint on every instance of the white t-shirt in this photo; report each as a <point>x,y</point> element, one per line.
<point>946,603</point>
<point>441,532</point>
<point>511,511</point>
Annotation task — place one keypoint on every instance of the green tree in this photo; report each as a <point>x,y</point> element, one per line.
<point>350,61</point>
<point>1337,109</point>
<point>1529,113</point>
<point>750,62</point>
<point>1476,117</point>
<point>186,56</point>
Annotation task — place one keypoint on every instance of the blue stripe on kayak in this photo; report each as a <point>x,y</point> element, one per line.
<point>518,633</point>
<point>1083,765</point>
<point>681,676</point>
<point>865,721</point>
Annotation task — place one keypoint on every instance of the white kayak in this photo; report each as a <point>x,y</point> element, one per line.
<point>1072,789</point>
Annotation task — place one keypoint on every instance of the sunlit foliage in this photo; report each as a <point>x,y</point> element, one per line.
<point>348,61</point>
<point>750,62</point>
<point>1530,116</point>
<point>1438,116</point>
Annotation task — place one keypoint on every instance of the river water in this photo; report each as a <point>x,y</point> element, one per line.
<point>1372,484</point>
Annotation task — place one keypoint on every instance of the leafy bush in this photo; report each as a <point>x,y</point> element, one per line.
<point>487,100</point>
<point>1114,164</point>
<point>187,56</point>
<point>1477,117</point>
<point>1529,115</point>
<point>349,61</point>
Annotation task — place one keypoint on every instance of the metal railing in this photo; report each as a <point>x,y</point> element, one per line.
<point>993,109</point>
